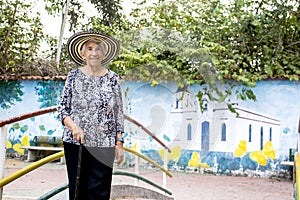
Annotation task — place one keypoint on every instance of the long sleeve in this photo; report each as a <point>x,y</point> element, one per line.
<point>118,109</point>
<point>64,107</point>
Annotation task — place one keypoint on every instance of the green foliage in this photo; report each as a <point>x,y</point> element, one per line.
<point>56,8</point>
<point>240,42</point>
<point>108,11</point>
<point>203,42</point>
<point>20,35</point>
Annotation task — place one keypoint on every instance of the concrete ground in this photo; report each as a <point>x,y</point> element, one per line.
<point>184,186</point>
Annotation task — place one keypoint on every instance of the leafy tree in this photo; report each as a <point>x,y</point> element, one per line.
<point>108,12</point>
<point>239,42</point>
<point>203,42</point>
<point>20,35</point>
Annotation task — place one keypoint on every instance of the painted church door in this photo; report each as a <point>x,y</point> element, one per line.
<point>205,136</point>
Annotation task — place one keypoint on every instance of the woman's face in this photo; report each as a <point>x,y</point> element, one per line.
<point>93,53</point>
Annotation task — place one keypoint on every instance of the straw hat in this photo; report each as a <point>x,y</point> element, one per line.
<point>76,42</point>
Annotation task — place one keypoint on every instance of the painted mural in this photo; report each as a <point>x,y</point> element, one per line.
<point>216,140</point>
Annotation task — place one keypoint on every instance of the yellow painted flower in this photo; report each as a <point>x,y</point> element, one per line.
<point>195,160</point>
<point>269,150</point>
<point>259,157</point>
<point>241,150</point>
<point>174,155</point>
<point>25,141</point>
<point>193,163</point>
<point>8,144</point>
<point>17,148</point>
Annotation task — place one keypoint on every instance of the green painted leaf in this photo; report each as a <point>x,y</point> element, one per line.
<point>42,128</point>
<point>24,128</point>
<point>16,126</point>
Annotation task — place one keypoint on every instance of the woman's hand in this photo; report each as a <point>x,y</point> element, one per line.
<point>119,151</point>
<point>78,134</point>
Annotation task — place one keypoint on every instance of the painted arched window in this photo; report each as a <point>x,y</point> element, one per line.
<point>250,133</point>
<point>223,135</point>
<point>270,136</point>
<point>261,138</point>
<point>177,103</point>
<point>189,132</point>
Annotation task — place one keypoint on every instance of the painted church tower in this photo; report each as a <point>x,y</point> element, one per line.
<point>184,118</point>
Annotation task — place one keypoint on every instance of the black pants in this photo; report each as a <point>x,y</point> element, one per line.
<point>95,174</point>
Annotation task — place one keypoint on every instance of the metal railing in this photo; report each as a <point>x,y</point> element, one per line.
<point>29,168</point>
<point>33,166</point>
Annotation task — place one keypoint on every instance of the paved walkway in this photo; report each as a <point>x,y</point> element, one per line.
<point>184,186</point>
<point>43,180</point>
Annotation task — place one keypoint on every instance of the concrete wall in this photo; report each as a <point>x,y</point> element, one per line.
<point>197,138</point>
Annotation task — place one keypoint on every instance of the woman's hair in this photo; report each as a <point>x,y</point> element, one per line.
<point>101,45</point>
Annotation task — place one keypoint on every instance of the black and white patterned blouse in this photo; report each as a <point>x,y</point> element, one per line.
<point>95,104</point>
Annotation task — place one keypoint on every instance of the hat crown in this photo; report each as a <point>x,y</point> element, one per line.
<point>76,42</point>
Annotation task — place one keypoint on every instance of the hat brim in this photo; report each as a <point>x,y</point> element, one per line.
<point>75,43</point>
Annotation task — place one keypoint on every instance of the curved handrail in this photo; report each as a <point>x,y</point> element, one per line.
<point>60,154</point>
<point>55,156</point>
<point>30,167</point>
<point>61,188</point>
<point>142,179</point>
<point>149,160</point>
<point>53,192</point>
<point>147,131</point>
<point>28,115</point>
<point>54,108</point>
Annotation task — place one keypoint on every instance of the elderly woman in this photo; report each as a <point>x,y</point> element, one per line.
<point>91,110</point>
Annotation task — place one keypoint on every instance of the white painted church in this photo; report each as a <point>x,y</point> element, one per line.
<point>217,128</point>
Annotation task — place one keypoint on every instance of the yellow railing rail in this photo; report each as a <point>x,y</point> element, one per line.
<point>55,156</point>
<point>297,184</point>
<point>29,168</point>
<point>149,160</point>
<point>296,171</point>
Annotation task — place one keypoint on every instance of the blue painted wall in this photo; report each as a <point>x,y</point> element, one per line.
<point>154,108</point>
